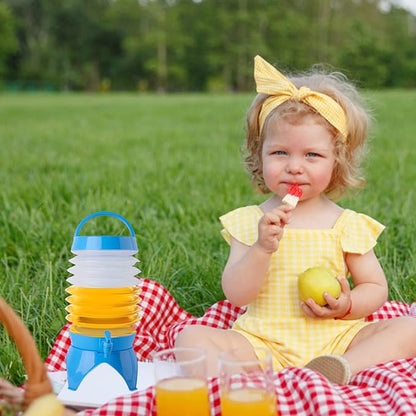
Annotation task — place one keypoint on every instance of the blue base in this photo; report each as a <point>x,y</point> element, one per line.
<point>86,353</point>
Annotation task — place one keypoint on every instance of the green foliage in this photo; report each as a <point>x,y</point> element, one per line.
<point>186,45</point>
<point>171,165</point>
<point>8,41</point>
<point>365,56</point>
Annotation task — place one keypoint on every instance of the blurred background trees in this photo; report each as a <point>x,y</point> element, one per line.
<point>199,45</point>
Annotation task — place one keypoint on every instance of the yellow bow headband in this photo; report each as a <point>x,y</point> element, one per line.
<point>270,81</point>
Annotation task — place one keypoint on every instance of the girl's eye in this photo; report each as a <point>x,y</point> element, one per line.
<point>312,154</point>
<point>279,152</point>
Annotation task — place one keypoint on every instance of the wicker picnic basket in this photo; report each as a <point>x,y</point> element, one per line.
<point>38,389</point>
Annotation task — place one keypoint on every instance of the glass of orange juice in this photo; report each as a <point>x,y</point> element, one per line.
<point>181,382</point>
<point>246,383</point>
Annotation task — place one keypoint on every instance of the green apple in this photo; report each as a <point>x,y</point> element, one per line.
<point>313,282</point>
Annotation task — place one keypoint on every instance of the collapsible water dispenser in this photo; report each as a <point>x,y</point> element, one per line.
<point>103,304</point>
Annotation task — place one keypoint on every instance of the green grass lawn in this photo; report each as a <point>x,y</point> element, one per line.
<point>171,165</point>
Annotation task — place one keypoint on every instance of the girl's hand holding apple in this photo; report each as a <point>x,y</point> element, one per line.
<point>324,296</point>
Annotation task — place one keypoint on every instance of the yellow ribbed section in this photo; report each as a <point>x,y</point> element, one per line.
<point>94,310</point>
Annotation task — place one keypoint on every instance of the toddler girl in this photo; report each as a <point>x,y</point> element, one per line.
<point>308,131</point>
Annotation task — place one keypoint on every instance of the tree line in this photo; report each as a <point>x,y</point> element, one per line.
<point>199,45</point>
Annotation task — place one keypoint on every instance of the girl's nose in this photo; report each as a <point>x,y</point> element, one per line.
<point>294,166</point>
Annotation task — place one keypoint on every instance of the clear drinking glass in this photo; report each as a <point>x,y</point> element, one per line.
<point>181,382</point>
<point>247,384</point>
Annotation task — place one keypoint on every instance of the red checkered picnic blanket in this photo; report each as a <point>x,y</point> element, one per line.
<point>386,389</point>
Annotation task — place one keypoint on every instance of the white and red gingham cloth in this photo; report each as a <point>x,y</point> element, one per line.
<point>386,389</point>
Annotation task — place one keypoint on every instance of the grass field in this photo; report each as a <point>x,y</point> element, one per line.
<point>171,165</point>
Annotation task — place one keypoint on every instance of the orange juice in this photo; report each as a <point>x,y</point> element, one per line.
<point>248,402</point>
<point>182,396</point>
<point>94,310</point>
<point>94,332</point>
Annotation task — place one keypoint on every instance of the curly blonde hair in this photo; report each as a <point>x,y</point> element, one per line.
<point>348,152</point>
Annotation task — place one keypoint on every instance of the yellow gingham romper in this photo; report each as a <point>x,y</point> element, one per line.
<point>275,320</point>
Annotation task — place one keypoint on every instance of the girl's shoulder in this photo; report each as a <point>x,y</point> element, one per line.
<point>359,232</point>
<point>349,218</point>
<point>247,211</point>
<point>241,224</point>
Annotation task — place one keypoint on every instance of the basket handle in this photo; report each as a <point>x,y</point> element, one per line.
<point>37,383</point>
<point>104,213</point>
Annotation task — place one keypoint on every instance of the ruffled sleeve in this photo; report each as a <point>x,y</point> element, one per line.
<point>241,224</point>
<point>360,233</point>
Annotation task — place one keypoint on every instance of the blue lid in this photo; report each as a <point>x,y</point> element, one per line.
<point>104,242</point>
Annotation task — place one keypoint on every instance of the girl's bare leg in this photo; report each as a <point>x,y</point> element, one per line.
<point>377,343</point>
<point>213,340</point>
<point>381,342</point>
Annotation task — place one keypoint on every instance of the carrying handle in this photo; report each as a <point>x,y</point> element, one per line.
<point>38,383</point>
<point>104,213</point>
